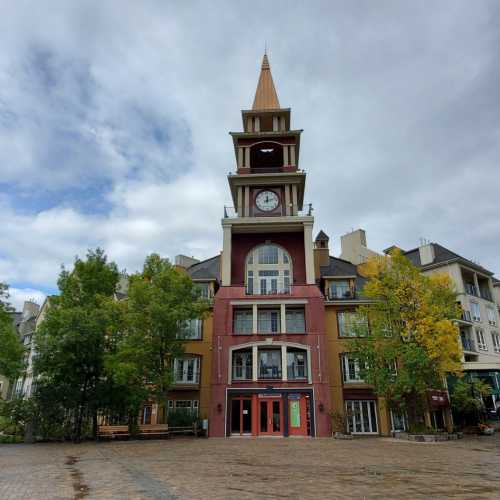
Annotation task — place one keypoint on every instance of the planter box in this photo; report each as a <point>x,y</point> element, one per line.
<point>341,435</point>
<point>428,438</point>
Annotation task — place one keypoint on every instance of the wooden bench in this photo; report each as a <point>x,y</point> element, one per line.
<point>113,431</point>
<point>191,429</point>
<point>153,430</point>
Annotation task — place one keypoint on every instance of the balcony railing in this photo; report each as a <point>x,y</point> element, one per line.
<point>307,211</point>
<point>268,326</point>
<point>342,293</point>
<point>187,378</point>
<point>242,372</point>
<point>466,316</point>
<point>269,286</point>
<point>486,295</point>
<point>243,326</point>
<point>468,344</point>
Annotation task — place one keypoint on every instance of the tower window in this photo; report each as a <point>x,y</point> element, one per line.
<point>266,156</point>
<point>268,271</point>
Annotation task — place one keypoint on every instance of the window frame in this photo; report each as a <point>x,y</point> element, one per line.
<point>196,370</point>
<point>346,370</point>
<point>288,322</point>
<point>473,306</point>
<point>279,366</point>
<point>481,340</point>
<point>353,313</point>
<point>495,339</point>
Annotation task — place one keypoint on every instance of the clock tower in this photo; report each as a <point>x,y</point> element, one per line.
<point>270,366</point>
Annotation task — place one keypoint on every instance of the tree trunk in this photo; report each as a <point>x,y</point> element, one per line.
<point>94,424</point>
<point>412,410</point>
<point>79,419</point>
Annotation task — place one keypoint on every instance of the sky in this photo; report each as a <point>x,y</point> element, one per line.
<point>114,121</point>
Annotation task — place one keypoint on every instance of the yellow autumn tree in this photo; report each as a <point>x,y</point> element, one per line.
<point>414,341</point>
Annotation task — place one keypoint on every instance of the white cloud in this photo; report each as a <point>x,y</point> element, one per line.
<point>18,296</point>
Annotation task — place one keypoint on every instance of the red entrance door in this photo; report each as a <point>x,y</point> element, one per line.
<point>270,417</point>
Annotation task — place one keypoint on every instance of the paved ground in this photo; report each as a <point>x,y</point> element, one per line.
<point>252,468</point>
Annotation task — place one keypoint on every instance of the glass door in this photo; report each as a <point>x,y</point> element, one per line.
<point>362,417</point>
<point>270,417</point>
<point>241,416</point>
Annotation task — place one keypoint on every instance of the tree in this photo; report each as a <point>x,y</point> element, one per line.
<point>11,351</point>
<point>413,342</point>
<point>466,398</point>
<point>160,300</point>
<point>71,341</point>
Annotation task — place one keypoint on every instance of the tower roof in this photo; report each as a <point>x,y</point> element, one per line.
<point>265,95</point>
<point>322,236</point>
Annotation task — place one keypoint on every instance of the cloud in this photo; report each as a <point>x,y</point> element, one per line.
<point>18,296</point>
<point>115,133</point>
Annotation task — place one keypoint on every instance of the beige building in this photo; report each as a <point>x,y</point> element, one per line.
<point>478,293</point>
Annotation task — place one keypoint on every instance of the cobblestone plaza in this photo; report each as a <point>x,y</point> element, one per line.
<point>262,468</point>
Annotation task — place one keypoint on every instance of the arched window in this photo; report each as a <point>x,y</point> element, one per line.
<point>268,270</point>
<point>266,156</point>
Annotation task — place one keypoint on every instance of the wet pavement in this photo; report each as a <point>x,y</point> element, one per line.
<point>184,468</point>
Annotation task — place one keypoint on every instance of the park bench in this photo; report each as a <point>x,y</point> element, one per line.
<point>188,429</point>
<point>113,431</point>
<point>154,430</point>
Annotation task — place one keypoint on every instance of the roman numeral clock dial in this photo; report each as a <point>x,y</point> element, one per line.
<point>267,201</point>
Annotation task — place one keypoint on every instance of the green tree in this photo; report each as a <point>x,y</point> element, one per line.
<point>11,351</point>
<point>413,342</point>
<point>160,300</point>
<point>466,398</point>
<point>72,338</point>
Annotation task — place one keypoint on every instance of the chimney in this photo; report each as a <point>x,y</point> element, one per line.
<point>321,252</point>
<point>184,261</point>
<point>353,247</point>
<point>30,309</point>
<point>427,255</point>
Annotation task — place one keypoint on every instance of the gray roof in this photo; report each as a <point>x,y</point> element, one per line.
<point>441,255</point>
<point>206,269</point>
<point>322,236</point>
<point>340,267</point>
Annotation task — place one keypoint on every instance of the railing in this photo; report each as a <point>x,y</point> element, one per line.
<point>307,211</point>
<point>471,289</point>
<point>242,373</point>
<point>465,316</point>
<point>268,286</point>
<point>485,294</point>
<point>270,372</point>
<point>243,327</point>
<point>468,344</point>
<point>341,293</point>
<point>268,326</point>
<point>188,378</point>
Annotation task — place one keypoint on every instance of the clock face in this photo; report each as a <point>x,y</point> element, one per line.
<point>267,201</point>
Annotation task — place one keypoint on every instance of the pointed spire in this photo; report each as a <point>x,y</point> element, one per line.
<point>265,95</point>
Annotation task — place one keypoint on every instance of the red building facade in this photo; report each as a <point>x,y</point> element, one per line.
<point>269,362</point>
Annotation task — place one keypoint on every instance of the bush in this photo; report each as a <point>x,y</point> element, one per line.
<point>10,439</point>
<point>181,418</point>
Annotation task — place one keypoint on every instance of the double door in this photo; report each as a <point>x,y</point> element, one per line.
<point>270,417</point>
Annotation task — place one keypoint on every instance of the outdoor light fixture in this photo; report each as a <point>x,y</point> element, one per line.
<point>219,408</point>
<point>321,407</point>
